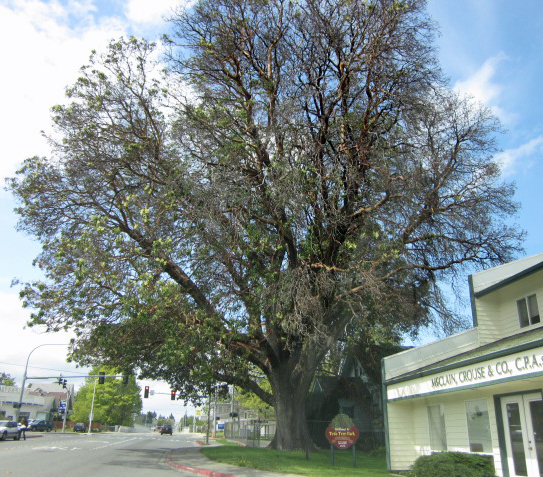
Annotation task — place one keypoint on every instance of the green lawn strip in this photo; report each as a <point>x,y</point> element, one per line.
<point>318,464</point>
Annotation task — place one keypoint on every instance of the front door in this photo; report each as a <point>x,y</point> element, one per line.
<point>523,422</point>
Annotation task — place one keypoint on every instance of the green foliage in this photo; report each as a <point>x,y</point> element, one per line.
<point>114,402</point>
<point>146,419</point>
<point>342,421</point>
<point>250,401</point>
<point>6,379</point>
<point>453,464</point>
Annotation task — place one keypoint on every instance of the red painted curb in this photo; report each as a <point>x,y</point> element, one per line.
<point>186,468</point>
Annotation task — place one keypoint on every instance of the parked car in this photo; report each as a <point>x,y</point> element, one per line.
<point>79,427</point>
<point>41,425</point>
<point>166,429</point>
<point>9,429</point>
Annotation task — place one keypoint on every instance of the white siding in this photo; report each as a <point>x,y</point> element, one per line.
<point>409,435</point>
<point>497,314</point>
<point>404,432</point>
<point>488,318</point>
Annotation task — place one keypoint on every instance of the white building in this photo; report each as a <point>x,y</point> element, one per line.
<point>478,391</point>
<point>40,401</point>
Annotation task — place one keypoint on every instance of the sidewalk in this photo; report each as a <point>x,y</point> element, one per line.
<point>191,460</point>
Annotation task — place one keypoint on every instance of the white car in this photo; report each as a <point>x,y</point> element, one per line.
<point>9,429</point>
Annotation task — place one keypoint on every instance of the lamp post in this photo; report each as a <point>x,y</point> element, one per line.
<point>18,410</point>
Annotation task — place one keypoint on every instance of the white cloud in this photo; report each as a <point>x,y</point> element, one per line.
<point>145,11</point>
<point>21,341</point>
<point>482,87</point>
<point>511,159</point>
<point>49,42</point>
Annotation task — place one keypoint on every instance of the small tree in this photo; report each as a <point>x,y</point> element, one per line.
<point>114,402</point>
<point>6,379</point>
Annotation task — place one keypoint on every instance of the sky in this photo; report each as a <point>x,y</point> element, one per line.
<point>491,50</point>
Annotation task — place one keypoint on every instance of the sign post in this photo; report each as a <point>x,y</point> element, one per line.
<point>342,434</point>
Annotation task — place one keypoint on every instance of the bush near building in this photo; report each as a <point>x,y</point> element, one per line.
<point>457,464</point>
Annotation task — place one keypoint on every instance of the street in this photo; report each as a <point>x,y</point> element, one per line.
<point>83,455</point>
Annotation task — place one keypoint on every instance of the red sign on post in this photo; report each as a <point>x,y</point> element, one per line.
<point>342,438</point>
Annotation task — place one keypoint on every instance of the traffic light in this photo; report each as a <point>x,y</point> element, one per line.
<point>233,414</point>
<point>60,380</point>
<point>146,392</point>
<point>173,395</point>
<point>102,378</point>
<point>64,383</point>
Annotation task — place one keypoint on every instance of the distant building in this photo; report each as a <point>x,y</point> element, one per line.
<point>40,401</point>
<point>478,391</point>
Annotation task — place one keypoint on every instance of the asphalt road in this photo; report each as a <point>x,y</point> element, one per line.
<point>82,455</point>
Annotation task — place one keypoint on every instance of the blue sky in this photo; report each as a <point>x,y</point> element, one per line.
<point>490,49</point>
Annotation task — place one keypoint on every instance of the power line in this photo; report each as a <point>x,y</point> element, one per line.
<point>46,369</point>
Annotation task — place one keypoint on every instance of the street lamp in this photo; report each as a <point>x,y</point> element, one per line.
<point>18,410</point>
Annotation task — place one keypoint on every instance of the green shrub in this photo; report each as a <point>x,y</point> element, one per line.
<point>453,464</point>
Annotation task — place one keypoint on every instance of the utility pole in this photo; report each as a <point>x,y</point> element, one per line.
<point>215,415</point>
<point>92,406</point>
<point>18,408</point>
<point>66,409</point>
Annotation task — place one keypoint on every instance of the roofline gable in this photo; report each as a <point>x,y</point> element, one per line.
<point>507,281</point>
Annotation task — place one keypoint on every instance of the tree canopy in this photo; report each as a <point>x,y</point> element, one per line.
<point>6,379</point>
<point>302,172</point>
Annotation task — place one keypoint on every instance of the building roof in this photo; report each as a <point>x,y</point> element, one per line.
<point>489,280</point>
<point>526,340</point>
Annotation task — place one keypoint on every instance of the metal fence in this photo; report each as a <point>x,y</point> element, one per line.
<point>258,433</point>
<point>251,432</point>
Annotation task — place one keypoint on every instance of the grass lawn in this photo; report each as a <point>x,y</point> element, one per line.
<point>318,464</point>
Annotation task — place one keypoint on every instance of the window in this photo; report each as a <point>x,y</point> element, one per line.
<point>478,426</point>
<point>528,312</point>
<point>436,422</point>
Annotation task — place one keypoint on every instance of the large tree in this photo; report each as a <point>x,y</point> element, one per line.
<point>302,172</point>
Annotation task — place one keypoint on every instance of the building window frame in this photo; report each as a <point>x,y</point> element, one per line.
<point>528,311</point>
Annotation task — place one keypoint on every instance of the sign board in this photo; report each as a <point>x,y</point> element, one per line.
<point>198,413</point>
<point>342,438</point>
<point>486,372</point>
<point>220,427</point>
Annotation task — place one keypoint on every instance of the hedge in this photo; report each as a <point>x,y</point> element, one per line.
<point>453,464</point>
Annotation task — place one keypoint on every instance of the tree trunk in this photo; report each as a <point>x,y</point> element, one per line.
<point>292,431</point>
